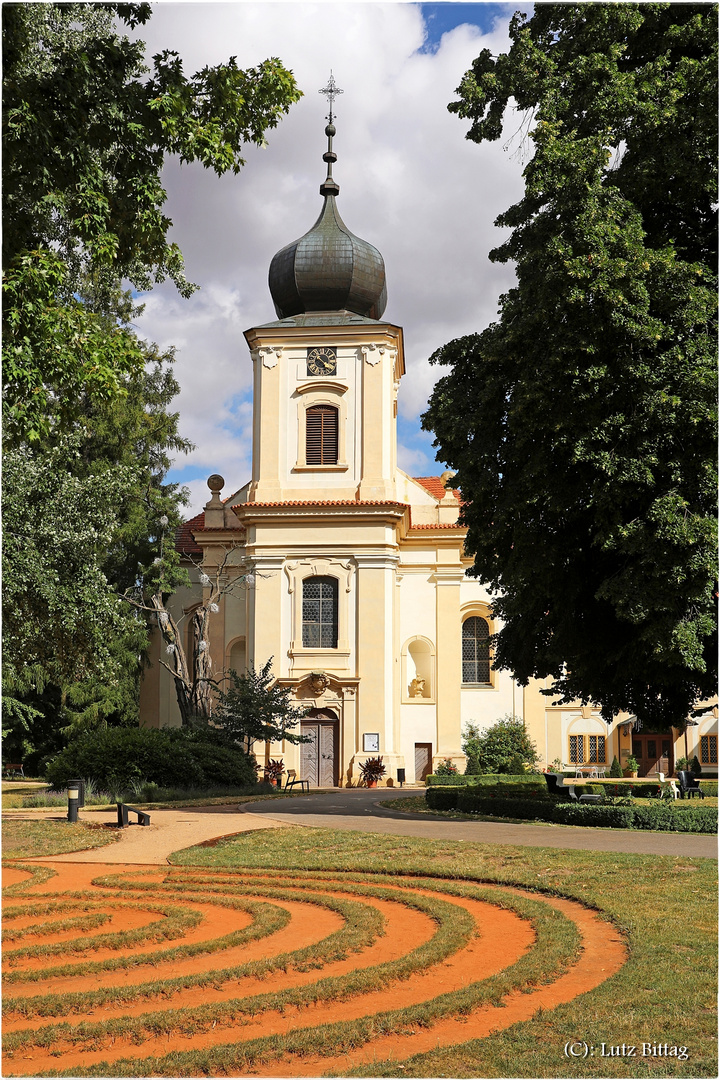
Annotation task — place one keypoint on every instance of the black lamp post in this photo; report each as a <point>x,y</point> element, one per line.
<point>74,799</point>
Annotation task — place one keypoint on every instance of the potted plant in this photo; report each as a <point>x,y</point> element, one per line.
<point>631,767</point>
<point>372,770</point>
<point>273,771</point>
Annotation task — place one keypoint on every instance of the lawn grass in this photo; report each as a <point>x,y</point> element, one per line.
<point>15,802</point>
<point>665,905</point>
<point>33,839</point>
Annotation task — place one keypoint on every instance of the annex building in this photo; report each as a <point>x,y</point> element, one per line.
<point>350,573</point>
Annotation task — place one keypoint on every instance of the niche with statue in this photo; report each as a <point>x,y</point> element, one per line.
<point>419,670</point>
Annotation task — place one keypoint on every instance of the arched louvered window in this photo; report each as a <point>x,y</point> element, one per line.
<point>321,435</point>
<point>475,651</point>
<point>319,613</point>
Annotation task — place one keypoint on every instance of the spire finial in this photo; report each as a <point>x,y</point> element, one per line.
<point>331,91</point>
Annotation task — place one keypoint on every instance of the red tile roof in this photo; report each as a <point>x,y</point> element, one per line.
<point>332,502</point>
<point>439,525</point>
<point>186,543</point>
<point>184,540</point>
<point>435,486</point>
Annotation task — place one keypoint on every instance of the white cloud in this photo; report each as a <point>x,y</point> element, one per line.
<point>410,184</point>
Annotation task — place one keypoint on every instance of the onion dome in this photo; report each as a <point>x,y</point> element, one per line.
<point>329,268</point>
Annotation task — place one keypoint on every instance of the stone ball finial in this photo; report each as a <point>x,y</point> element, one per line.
<point>216,482</point>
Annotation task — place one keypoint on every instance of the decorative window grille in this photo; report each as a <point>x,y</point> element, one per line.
<point>708,750</point>
<point>577,749</point>
<point>596,749</point>
<point>319,613</point>
<point>321,435</point>
<point>475,651</point>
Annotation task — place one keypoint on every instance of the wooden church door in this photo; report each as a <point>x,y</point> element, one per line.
<point>319,756</point>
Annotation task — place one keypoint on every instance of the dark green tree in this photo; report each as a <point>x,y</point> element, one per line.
<point>256,709</point>
<point>504,747</point>
<point>582,423</point>
<point>88,431</point>
<point>87,127</point>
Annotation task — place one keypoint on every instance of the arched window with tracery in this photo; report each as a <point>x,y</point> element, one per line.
<point>320,613</point>
<point>475,650</point>
<point>321,435</point>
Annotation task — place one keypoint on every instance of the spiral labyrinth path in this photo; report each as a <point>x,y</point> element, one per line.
<point>177,971</point>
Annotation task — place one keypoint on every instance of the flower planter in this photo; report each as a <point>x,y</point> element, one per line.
<point>372,783</point>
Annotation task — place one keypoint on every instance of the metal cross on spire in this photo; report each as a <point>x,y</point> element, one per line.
<point>331,91</point>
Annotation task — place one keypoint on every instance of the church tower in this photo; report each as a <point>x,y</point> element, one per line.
<point>322,508</point>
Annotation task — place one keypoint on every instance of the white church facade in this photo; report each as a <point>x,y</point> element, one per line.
<point>357,585</point>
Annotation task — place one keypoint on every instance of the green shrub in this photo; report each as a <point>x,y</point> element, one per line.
<point>655,815</point>
<point>616,768</point>
<point>441,798</point>
<point>447,767</point>
<point>710,787</point>
<point>594,815</point>
<point>169,757</point>
<point>510,778</point>
<point>696,767</point>
<point>456,780</point>
<point>502,748</point>
<point>437,780</point>
<point>533,790</point>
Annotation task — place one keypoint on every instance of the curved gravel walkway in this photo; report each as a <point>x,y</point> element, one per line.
<point>168,831</point>
<point>357,810</point>
<point>354,810</point>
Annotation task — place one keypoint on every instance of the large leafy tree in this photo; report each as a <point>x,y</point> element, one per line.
<point>582,423</point>
<point>87,127</point>
<point>88,427</point>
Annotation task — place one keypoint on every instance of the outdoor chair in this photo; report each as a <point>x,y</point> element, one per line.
<point>291,781</point>
<point>674,789</point>
<point>143,818</point>
<point>574,797</point>
<point>689,785</point>
<point>555,784</point>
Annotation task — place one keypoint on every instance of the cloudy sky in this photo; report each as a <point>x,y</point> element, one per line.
<point>409,183</point>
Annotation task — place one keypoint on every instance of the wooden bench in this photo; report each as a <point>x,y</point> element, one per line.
<point>292,781</point>
<point>143,818</point>
<point>10,772</point>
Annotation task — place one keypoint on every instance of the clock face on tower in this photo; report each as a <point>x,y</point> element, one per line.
<point>322,361</point>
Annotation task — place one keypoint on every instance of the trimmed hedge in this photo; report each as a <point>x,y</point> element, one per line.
<point>710,787</point>
<point>690,817</point>
<point>169,757</point>
<point>435,780</point>
<point>442,798</point>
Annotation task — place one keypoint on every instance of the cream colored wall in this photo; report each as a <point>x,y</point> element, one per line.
<point>418,725</point>
<point>370,363</point>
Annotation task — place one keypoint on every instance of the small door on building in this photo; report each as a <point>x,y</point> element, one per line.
<point>654,753</point>
<point>423,760</point>
<point>319,756</point>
